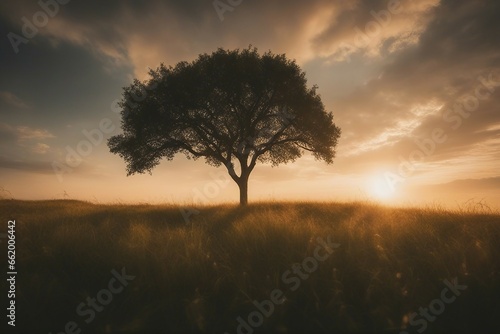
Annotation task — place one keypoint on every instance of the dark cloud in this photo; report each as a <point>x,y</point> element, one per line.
<point>443,69</point>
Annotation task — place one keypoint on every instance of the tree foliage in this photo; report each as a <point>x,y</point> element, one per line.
<point>233,108</point>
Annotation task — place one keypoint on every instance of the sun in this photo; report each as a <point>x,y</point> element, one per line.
<point>381,190</point>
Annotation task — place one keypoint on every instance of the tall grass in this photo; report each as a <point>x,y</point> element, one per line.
<point>201,276</point>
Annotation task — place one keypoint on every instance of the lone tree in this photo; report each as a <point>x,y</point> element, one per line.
<point>233,108</point>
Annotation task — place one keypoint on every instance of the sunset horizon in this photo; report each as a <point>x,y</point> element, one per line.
<point>417,107</point>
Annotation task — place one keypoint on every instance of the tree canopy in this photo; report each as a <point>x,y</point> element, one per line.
<point>232,107</point>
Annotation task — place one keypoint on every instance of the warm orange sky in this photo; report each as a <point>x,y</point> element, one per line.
<point>414,85</point>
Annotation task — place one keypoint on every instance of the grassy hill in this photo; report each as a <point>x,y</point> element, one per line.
<point>340,268</point>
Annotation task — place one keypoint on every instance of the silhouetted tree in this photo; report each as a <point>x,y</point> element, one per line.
<point>233,108</point>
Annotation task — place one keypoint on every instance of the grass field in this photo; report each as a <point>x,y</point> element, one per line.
<point>379,268</point>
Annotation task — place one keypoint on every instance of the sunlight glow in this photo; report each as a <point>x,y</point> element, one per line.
<point>379,189</point>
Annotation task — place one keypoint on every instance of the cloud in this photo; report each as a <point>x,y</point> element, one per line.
<point>27,165</point>
<point>22,133</point>
<point>466,191</point>
<point>477,184</point>
<point>146,34</point>
<point>15,137</point>
<point>12,100</point>
<point>373,27</point>
<point>419,88</point>
<point>25,132</point>
<point>7,132</point>
<point>40,148</point>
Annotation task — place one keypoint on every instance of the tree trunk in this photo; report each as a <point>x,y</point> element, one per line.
<point>243,185</point>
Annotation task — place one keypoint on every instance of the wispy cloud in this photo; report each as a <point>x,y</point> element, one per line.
<point>27,165</point>
<point>40,148</point>
<point>12,100</point>
<point>21,133</point>
<point>18,139</point>
<point>25,132</point>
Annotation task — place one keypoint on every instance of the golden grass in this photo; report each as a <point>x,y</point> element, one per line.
<point>200,276</point>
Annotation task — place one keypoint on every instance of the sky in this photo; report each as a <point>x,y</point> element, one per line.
<point>414,86</point>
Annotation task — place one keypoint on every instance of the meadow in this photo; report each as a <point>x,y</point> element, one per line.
<point>268,267</point>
